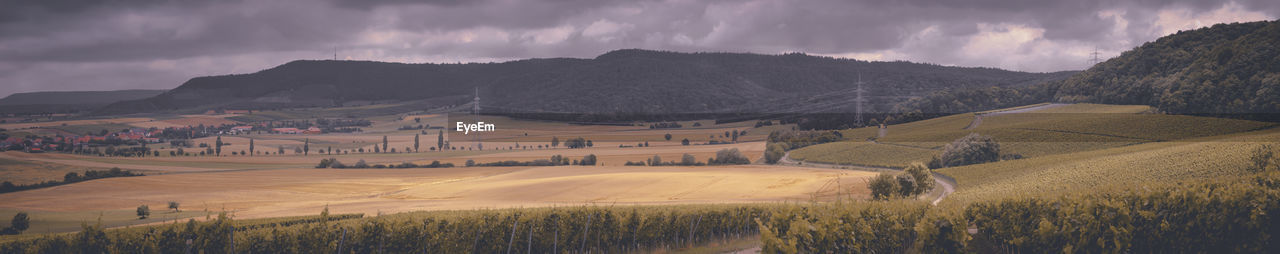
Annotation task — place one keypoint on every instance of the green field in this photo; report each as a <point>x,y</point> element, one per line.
<point>863,154</point>
<point>1060,130</point>
<point>1112,168</point>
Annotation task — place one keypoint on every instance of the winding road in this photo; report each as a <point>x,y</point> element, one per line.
<point>947,184</point>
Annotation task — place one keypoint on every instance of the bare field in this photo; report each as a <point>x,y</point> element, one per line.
<point>285,184</point>
<point>271,193</point>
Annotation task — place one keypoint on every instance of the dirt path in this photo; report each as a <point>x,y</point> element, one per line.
<point>977,118</point>
<point>947,183</point>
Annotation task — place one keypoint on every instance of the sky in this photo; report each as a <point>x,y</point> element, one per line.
<point>65,45</point>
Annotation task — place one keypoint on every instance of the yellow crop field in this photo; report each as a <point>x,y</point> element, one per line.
<point>289,192</point>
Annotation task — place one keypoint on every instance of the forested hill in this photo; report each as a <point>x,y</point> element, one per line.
<point>1225,69</point>
<point>632,81</point>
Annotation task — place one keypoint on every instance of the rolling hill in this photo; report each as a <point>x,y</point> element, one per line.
<point>68,101</point>
<point>622,81</point>
<point>1226,69</point>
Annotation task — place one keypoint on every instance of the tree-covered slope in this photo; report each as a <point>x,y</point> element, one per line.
<point>1225,69</point>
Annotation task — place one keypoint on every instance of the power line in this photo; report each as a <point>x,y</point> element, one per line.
<point>857,117</point>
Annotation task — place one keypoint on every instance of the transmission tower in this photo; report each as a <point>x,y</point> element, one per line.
<point>859,100</point>
<point>475,112</point>
<point>1094,60</point>
<point>475,103</point>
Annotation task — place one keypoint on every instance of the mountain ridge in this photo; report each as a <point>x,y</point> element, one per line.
<point>627,80</point>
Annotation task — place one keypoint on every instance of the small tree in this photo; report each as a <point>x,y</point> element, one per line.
<point>668,136</point>
<point>384,143</point>
<point>655,161</point>
<point>471,163</point>
<point>907,186</point>
<point>774,152</point>
<point>883,186</point>
<point>440,141</point>
<point>174,205</point>
<point>684,142</point>
<point>20,222</point>
<point>251,147</point>
<point>555,141</point>
<point>923,177</point>
<point>306,146</point>
<point>143,212</point>
<point>218,144</point>
<point>415,142</point>
<point>280,150</point>
<point>589,160</point>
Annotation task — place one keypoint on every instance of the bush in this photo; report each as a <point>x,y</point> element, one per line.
<point>797,139</point>
<point>470,163</point>
<point>774,152</point>
<point>325,163</point>
<point>970,149</point>
<point>578,142</point>
<point>730,156</point>
<point>1263,158</point>
<point>688,160</point>
<point>684,142</point>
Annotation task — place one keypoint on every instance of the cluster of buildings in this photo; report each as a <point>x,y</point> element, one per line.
<point>57,143</point>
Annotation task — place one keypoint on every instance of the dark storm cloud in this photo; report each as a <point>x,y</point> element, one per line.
<point>105,44</point>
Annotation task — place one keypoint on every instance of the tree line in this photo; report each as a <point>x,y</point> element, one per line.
<point>69,178</point>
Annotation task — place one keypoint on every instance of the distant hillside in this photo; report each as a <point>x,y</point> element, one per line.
<point>76,97</point>
<point>622,81</point>
<point>1226,69</point>
<point>67,102</point>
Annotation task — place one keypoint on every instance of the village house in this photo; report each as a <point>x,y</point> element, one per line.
<point>241,129</point>
<point>286,130</point>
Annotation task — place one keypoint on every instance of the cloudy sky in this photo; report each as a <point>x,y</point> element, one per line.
<point>49,45</point>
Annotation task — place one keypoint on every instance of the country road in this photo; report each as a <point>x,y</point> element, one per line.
<point>977,118</point>
<point>947,184</point>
